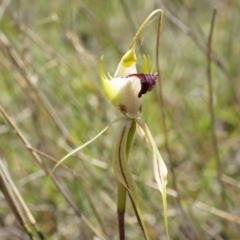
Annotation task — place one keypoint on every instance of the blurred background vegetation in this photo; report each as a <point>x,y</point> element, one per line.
<point>50,88</point>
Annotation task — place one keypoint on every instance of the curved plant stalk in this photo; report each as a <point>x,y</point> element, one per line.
<point>135,39</point>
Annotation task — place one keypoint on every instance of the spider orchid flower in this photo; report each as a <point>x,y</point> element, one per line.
<point>125,92</point>
<point>126,88</point>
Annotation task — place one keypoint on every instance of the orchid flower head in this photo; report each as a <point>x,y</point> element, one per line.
<point>126,88</point>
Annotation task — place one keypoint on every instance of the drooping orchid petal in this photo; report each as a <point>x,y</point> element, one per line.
<point>85,144</point>
<point>159,168</point>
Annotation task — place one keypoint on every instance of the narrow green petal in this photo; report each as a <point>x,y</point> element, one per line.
<point>159,168</point>
<point>84,145</point>
<point>109,91</point>
<point>102,74</point>
<point>121,168</point>
<point>145,66</point>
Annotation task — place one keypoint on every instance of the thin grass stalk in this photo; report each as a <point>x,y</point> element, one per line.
<point>80,181</point>
<point>52,176</point>
<point>9,190</point>
<point>19,64</point>
<point>99,29</point>
<point>48,50</point>
<point>25,210</point>
<point>165,130</point>
<point>3,7</point>
<point>128,16</point>
<point>212,114</point>
<point>189,32</point>
<point>163,114</point>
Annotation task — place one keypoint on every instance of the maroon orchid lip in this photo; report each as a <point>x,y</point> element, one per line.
<point>148,82</point>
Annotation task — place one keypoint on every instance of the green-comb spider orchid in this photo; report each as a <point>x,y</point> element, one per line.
<point>125,92</point>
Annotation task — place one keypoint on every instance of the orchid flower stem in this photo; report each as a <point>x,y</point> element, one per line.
<point>121,206</point>
<point>128,149</point>
<point>121,202</point>
<point>133,43</point>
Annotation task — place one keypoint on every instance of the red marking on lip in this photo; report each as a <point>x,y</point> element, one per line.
<point>148,81</point>
<point>122,109</point>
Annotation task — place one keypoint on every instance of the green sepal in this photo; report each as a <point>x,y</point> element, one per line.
<point>159,168</point>
<point>145,65</point>
<point>121,169</point>
<point>109,91</point>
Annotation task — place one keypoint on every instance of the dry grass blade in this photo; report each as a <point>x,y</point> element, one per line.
<point>202,46</point>
<point>99,28</point>
<point>165,133</point>
<point>222,214</point>
<point>80,180</point>
<point>3,7</point>
<point>53,177</point>
<point>17,204</point>
<point>211,110</point>
<point>16,59</point>
<point>49,51</point>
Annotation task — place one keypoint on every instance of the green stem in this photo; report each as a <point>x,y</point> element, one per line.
<point>133,43</point>
<point>128,148</point>
<point>121,201</point>
<point>28,231</point>
<point>121,205</point>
